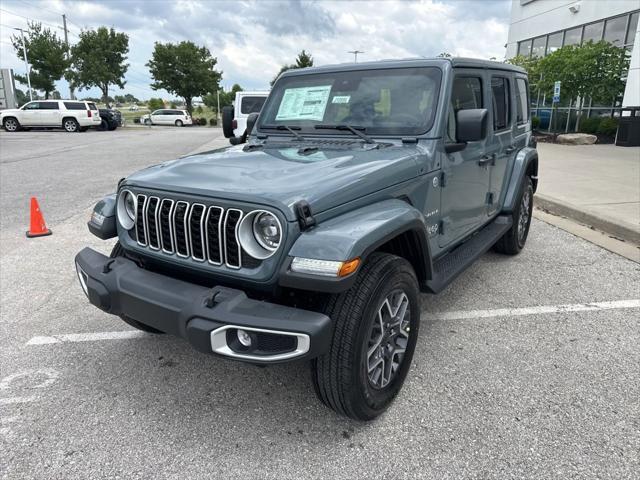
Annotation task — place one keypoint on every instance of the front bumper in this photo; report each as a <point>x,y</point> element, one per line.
<point>206,317</point>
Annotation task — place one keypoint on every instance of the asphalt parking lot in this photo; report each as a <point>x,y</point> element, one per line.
<point>526,367</point>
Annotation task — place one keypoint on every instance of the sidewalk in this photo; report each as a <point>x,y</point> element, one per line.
<point>598,185</point>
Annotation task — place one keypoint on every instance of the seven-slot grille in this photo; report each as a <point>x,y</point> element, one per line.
<point>189,230</point>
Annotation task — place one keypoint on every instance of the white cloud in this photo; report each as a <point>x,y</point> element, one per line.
<point>252,39</point>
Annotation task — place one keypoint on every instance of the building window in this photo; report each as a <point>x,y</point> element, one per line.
<point>524,48</point>
<point>539,46</point>
<point>614,30</point>
<point>631,32</point>
<point>593,32</point>
<point>554,42</point>
<point>573,36</point>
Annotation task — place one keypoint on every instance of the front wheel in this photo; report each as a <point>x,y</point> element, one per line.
<point>11,124</point>
<point>70,125</point>
<point>376,325</point>
<point>513,241</point>
<point>147,121</point>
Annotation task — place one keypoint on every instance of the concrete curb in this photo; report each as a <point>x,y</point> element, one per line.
<point>624,232</point>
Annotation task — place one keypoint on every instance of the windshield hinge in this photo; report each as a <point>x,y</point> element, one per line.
<point>305,217</point>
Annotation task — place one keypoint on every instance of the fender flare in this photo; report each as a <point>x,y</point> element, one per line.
<point>359,233</point>
<point>526,162</point>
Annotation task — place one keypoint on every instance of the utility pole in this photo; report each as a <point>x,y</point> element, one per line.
<point>66,41</point>
<point>355,54</point>
<point>26,62</point>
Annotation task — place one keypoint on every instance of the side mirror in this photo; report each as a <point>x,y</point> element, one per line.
<point>471,125</point>
<point>251,121</point>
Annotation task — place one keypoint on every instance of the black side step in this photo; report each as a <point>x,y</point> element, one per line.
<point>448,267</point>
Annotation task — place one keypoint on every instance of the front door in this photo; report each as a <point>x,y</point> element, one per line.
<point>465,173</point>
<point>30,114</point>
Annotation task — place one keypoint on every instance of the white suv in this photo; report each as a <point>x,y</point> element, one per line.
<point>168,116</point>
<point>72,115</point>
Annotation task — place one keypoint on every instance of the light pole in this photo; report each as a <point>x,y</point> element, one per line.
<point>26,62</point>
<point>355,54</point>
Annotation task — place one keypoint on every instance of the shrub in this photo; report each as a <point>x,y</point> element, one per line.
<point>213,121</point>
<point>608,127</point>
<point>199,109</point>
<point>136,119</point>
<point>535,122</point>
<point>590,125</point>
<point>155,104</point>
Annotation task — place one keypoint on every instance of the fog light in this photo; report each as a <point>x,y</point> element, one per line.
<point>244,338</point>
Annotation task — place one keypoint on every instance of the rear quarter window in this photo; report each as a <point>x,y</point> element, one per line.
<point>92,106</point>
<point>251,104</point>
<point>74,106</point>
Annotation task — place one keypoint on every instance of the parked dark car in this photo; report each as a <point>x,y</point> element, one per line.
<point>359,186</point>
<point>111,119</point>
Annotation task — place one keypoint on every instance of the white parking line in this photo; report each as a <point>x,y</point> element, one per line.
<point>518,312</point>
<point>87,337</point>
<point>12,400</point>
<point>459,315</point>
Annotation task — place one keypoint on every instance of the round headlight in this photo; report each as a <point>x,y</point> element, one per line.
<point>260,234</point>
<point>126,209</point>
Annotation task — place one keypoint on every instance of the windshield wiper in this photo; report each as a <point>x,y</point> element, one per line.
<point>291,130</point>
<point>355,129</point>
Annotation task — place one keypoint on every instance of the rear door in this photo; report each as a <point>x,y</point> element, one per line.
<point>465,174</point>
<point>501,144</point>
<point>49,112</point>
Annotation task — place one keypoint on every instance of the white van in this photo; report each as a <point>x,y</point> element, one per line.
<point>234,119</point>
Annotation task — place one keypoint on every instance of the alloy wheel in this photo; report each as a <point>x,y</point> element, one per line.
<point>388,339</point>
<point>523,219</point>
<point>70,126</point>
<point>10,125</point>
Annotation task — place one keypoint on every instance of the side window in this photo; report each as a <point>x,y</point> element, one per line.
<point>251,104</point>
<point>48,105</point>
<point>500,101</point>
<point>522,101</point>
<point>74,105</point>
<point>466,94</point>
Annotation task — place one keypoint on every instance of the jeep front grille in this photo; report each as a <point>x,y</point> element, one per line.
<point>189,230</point>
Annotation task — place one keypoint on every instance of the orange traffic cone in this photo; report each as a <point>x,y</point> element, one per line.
<point>38,227</point>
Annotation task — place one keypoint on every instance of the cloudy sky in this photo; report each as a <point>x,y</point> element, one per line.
<point>252,39</point>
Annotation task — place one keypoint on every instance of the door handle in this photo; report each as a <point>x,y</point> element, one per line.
<point>487,159</point>
<point>510,149</point>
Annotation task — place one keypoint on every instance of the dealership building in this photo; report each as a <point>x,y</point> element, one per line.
<point>539,27</point>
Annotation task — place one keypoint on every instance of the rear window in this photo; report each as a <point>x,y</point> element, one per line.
<point>522,101</point>
<point>74,105</point>
<point>251,104</point>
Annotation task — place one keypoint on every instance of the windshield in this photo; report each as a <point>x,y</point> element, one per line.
<point>399,101</point>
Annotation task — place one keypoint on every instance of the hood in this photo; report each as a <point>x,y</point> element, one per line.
<point>282,176</point>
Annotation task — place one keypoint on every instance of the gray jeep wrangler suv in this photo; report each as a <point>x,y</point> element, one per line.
<point>359,186</point>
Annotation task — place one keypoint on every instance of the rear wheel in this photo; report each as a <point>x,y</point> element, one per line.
<point>513,241</point>
<point>118,251</point>
<point>179,123</point>
<point>376,326</point>
<point>70,125</point>
<point>10,124</point>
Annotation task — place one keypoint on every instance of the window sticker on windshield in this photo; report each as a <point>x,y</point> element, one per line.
<point>341,99</point>
<point>304,103</point>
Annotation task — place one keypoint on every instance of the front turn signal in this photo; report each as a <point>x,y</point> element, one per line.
<point>349,267</point>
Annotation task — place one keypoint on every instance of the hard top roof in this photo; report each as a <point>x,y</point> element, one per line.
<point>458,62</point>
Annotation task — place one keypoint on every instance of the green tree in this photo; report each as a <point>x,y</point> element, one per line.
<point>303,60</point>
<point>184,69</point>
<point>47,55</point>
<point>226,98</point>
<point>98,60</point>
<point>592,70</point>
<point>21,97</point>
<point>155,104</point>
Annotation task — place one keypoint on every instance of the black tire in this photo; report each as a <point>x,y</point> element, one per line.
<point>341,377</point>
<point>118,251</point>
<point>179,123</point>
<point>514,240</point>
<point>112,126</point>
<point>11,124</point>
<point>227,121</point>
<point>104,125</point>
<point>70,125</point>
